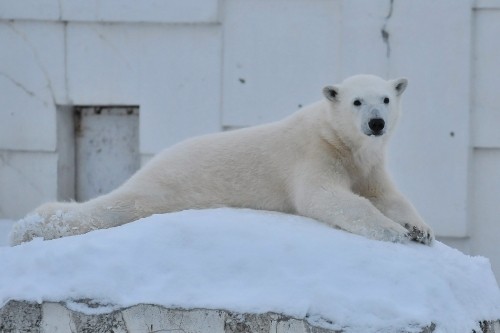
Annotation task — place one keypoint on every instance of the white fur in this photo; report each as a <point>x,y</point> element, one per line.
<point>319,162</point>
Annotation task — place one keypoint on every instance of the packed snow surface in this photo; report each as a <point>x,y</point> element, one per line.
<point>254,262</point>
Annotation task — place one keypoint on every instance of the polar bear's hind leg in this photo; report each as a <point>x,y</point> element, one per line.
<point>60,219</point>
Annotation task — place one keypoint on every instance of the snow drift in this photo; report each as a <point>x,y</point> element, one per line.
<point>256,262</point>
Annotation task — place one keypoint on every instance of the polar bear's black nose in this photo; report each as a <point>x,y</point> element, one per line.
<point>376,125</point>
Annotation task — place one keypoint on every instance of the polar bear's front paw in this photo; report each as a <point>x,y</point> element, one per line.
<point>395,234</point>
<point>422,234</point>
<point>384,230</point>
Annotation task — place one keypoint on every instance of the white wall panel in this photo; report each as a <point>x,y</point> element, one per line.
<point>30,9</point>
<point>486,109</point>
<point>180,75</point>
<point>32,81</point>
<point>278,55</point>
<point>487,4</point>
<point>485,127</point>
<point>363,49</point>
<point>485,217</point>
<point>26,181</point>
<point>485,175</point>
<point>159,11</point>
<point>103,63</point>
<point>430,151</point>
<point>171,11</point>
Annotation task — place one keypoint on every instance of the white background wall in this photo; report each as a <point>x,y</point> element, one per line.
<point>198,66</point>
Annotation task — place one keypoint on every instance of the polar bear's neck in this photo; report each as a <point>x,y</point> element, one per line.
<point>364,153</point>
<point>363,157</point>
<point>369,155</point>
<point>355,152</point>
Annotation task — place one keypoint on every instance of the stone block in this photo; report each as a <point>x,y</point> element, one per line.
<point>56,318</point>
<point>149,318</point>
<point>101,323</point>
<point>18,316</point>
<point>239,323</point>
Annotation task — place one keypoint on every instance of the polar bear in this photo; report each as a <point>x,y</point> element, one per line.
<point>325,161</point>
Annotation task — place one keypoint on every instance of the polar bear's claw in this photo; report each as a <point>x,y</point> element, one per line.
<point>418,235</point>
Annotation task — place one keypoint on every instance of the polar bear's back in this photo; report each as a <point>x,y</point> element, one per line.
<point>238,168</point>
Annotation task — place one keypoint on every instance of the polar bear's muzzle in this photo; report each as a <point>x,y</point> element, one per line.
<point>376,126</point>
<point>373,120</point>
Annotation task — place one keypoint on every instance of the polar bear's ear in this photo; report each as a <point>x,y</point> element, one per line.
<point>331,93</point>
<point>400,85</point>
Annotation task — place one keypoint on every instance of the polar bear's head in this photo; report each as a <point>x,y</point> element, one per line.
<point>365,106</point>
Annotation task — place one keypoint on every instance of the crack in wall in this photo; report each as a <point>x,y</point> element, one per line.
<point>37,59</point>
<point>385,33</point>
<point>5,162</point>
<point>23,87</point>
<point>111,45</point>
<point>18,84</point>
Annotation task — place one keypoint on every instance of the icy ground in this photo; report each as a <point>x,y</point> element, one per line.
<point>254,262</point>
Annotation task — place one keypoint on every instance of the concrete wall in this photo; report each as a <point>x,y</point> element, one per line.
<point>198,66</point>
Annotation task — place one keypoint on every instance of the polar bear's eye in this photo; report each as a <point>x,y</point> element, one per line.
<point>386,100</point>
<point>357,102</point>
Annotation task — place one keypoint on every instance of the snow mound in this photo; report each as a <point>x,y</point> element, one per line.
<point>255,262</point>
